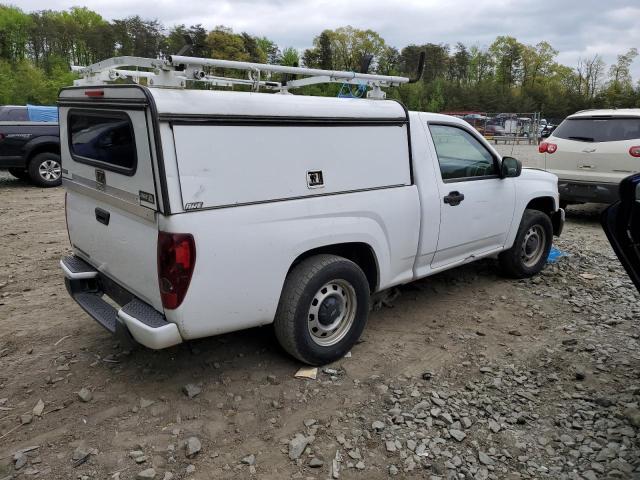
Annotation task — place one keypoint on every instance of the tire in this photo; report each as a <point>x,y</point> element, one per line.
<point>527,257</point>
<point>45,170</point>
<point>341,294</point>
<point>19,173</point>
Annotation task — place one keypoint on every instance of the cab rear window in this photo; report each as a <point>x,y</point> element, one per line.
<point>103,139</point>
<point>593,129</point>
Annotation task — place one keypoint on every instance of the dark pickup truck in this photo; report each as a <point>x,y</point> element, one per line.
<point>29,150</point>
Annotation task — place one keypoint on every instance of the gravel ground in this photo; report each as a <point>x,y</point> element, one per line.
<point>527,154</point>
<point>464,375</point>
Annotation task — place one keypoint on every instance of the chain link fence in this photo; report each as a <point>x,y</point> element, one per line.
<point>507,128</point>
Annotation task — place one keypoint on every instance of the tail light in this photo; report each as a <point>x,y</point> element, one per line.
<point>635,151</point>
<point>2,135</point>
<point>546,147</point>
<point>176,261</point>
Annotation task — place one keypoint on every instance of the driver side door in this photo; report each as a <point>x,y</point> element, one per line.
<point>476,205</point>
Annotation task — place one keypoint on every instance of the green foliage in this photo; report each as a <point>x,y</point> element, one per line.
<point>344,49</point>
<point>270,49</point>
<point>36,49</point>
<point>226,45</point>
<point>290,57</point>
<point>14,33</point>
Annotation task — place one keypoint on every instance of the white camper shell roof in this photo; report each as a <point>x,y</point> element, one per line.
<point>224,103</point>
<point>207,143</point>
<point>216,103</point>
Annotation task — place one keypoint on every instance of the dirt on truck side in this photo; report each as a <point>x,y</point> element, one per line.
<point>462,375</point>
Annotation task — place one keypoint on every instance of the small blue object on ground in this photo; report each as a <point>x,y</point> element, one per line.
<point>37,113</point>
<point>555,255</point>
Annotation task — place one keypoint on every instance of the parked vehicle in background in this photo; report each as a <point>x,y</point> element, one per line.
<point>621,223</point>
<point>543,123</point>
<point>13,113</point>
<point>30,144</point>
<point>547,130</point>
<point>591,152</point>
<point>202,212</point>
<point>493,127</point>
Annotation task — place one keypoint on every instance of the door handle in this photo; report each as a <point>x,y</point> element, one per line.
<point>454,198</point>
<point>102,216</point>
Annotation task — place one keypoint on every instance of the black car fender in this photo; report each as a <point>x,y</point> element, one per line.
<point>42,143</point>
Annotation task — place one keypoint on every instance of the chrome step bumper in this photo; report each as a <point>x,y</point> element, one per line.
<point>88,287</point>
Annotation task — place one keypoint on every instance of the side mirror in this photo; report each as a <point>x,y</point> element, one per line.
<point>510,167</point>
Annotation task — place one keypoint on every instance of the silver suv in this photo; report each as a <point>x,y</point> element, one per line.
<point>591,152</point>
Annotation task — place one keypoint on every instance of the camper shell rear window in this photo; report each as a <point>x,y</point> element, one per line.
<point>103,139</point>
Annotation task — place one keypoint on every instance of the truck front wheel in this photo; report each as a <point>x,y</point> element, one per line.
<point>530,250</point>
<point>323,309</point>
<point>45,169</point>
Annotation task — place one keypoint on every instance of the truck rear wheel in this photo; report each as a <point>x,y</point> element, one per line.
<point>530,250</point>
<point>323,309</point>
<point>45,169</point>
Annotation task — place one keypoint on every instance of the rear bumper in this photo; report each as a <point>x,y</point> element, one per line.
<point>576,191</point>
<point>145,324</point>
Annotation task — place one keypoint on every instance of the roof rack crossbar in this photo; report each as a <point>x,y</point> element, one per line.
<point>176,60</point>
<point>177,70</point>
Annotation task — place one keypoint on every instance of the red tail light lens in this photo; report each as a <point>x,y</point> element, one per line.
<point>546,147</point>
<point>176,261</point>
<point>2,135</point>
<point>94,93</point>
<point>635,151</point>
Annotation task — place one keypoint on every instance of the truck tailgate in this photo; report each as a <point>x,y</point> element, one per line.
<point>124,250</point>
<point>112,199</point>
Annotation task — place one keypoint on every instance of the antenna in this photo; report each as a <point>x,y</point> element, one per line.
<point>188,45</point>
<point>365,63</point>
<point>420,69</point>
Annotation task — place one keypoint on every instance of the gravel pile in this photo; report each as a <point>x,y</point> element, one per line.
<point>569,412</point>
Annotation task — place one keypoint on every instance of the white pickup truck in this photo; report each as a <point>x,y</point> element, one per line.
<point>203,212</point>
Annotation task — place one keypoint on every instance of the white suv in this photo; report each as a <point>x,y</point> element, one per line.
<point>591,152</point>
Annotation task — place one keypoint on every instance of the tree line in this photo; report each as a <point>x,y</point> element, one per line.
<point>37,48</point>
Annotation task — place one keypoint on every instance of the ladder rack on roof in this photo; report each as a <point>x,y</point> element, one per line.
<point>178,70</point>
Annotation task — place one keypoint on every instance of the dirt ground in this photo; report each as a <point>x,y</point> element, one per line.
<point>541,352</point>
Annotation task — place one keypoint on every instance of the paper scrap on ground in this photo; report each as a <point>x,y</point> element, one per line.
<point>307,372</point>
<point>588,276</point>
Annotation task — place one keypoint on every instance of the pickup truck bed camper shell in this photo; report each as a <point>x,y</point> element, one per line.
<point>203,212</point>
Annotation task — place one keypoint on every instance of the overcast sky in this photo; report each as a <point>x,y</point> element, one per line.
<point>577,28</point>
